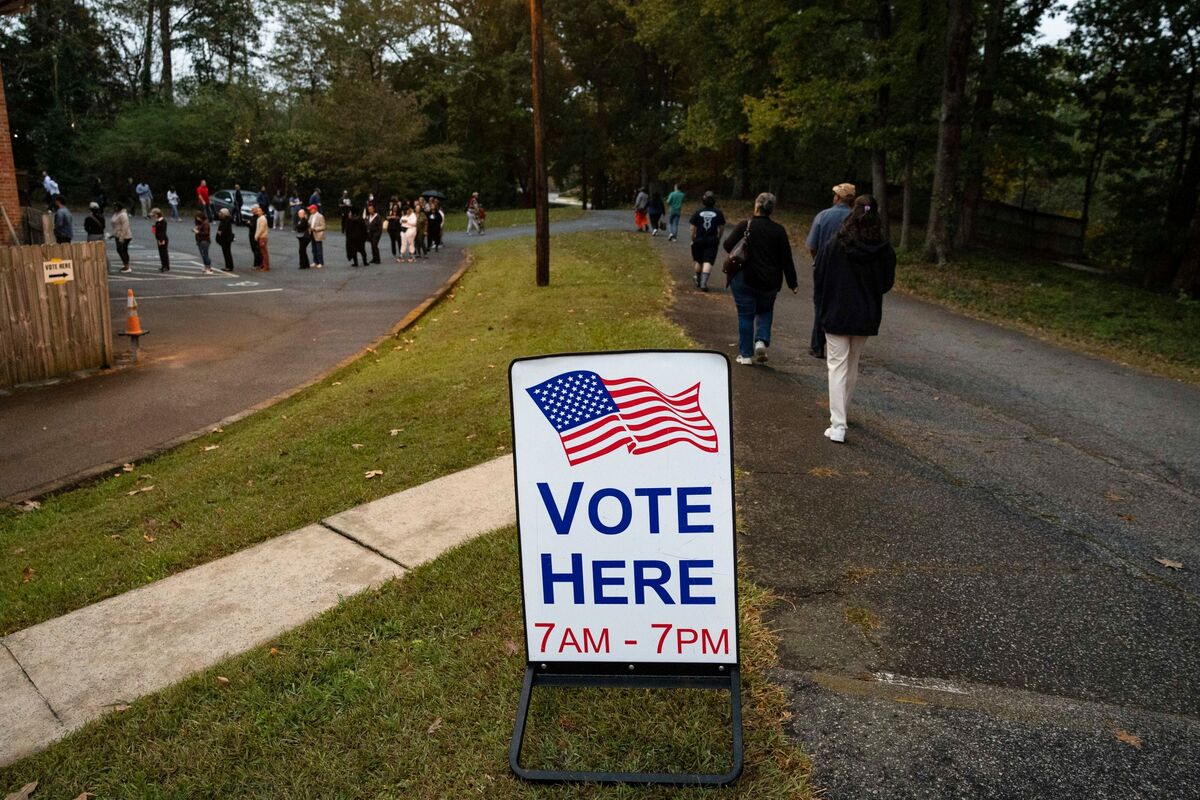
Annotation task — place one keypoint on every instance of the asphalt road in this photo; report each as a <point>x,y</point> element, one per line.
<point>971,602</point>
<point>216,345</point>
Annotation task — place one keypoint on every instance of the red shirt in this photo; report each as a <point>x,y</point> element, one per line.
<point>202,193</point>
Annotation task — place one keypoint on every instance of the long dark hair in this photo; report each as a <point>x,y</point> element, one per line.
<point>863,224</point>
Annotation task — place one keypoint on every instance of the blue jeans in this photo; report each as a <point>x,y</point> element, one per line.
<point>755,310</point>
<point>318,249</point>
<point>204,253</point>
<point>673,224</point>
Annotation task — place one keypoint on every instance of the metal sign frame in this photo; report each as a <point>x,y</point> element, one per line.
<point>639,675</point>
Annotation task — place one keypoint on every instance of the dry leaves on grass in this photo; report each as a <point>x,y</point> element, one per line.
<point>336,383</point>
<point>85,796</point>
<point>1170,564</point>
<point>371,473</point>
<point>437,723</point>
<point>396,431</point>
<point>27,574</point>
<point>127,467</point>
<point>23,793</point>
<point>211,447</point>
<point>511,647</point>
<point>356,446</point>
<point>140,490</point>
<point>29,505</point>
<point>1128,738</point>
<point>222,680</point>
<point>149,538</point>
<point>824,472</point>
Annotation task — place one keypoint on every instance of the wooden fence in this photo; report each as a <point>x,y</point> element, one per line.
<point>1015,228</point>
<point>50,325</point>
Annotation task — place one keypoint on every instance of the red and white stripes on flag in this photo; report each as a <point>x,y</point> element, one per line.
<point>646,420</point>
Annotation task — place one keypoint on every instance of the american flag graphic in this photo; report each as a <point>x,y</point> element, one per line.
<point>594,416</point>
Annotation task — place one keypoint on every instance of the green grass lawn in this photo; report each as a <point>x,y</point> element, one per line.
<point>441,386</point>
<point>410,692</point>
<point>1097,313</point>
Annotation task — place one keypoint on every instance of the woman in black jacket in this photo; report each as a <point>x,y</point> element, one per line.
<point>225,237</point>
<point>160,238</point>
<point>853,271</point>
<point>768,261</point>
<point>303,236</point>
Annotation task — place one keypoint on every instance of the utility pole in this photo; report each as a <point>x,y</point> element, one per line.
<point>540,186</point>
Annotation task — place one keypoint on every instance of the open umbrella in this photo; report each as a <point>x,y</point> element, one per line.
<point>433,193</point>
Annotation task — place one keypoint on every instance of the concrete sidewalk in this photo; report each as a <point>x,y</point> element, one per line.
<point>60,674</point>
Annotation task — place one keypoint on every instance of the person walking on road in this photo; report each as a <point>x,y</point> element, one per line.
<point>355,230</point>
<point>640,219</point>
<point>853,272</point>
<point>122,234</point>
<point>238,217</point>
<point>279,204</point>
<point>303,236</point>
<point>145,197</point>
<point>825,227</point>
<point>316,226</point>
<point>707,225</point>
<point>99,195</point>
<point>768,262</point>
<point>392,223</point>
<point>655,210</point>
<point>674,210</point>
<point>422,240</point>
<point>93,223</point>
<point>374,231</point>
<point>203,198</point>
<point>160,238</point>
<point>473,210</point>
<point>225,237</point>
<point>263,201</point>
<point>314,199</point>
<point>436,220</point>
<point>408,245</point>
<point>64,226</point>
<point>203,232</point>
<point>262,230</point>
<point>173,202</point>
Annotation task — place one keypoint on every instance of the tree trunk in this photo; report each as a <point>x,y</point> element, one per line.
<point>879,183</point>
<point>164,32</point>
<point>1187,276</point>
<point>906,213</point>
<point>148,50</point>
<point>938,244</point>
<point>981,125</point>
<point>583,180</point>
<point>1177,238</point>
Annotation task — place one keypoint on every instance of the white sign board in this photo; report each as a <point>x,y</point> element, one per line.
<point>624,480</point>
<point>56,270</point>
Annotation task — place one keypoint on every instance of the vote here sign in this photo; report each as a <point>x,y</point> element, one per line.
<point>624,480</point>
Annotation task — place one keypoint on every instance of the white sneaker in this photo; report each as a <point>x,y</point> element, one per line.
<point>744,360</point>
<point>836,434</point>
<point>760,350</point>
<point>655,232</point>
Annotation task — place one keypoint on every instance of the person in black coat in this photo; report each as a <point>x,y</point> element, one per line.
<point>436,218</point>
<point>303,236</point>
<point>160,238</point>
<point>768,261</point>
<point>853,271</point>
<point>354,227</point>
<point>238,219</point>
<point>225,237</point>
<point>374,231</point>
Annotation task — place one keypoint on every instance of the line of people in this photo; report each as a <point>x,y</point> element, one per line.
<point>414,228</point>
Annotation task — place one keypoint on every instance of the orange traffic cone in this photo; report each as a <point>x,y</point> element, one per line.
<point>133,325</point>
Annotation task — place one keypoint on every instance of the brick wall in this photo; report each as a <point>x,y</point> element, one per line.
<point>8,173</point>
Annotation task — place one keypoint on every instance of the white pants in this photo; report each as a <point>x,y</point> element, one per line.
<point>408,242</point>
<point>473,222</point>
<point>841,356</point>
<point>145,206</point>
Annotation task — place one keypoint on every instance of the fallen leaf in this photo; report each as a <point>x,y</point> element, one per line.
<point>114,536</point>
<point>511,647</point>
<point>371,350</point>
<point>149,538</point>
<point>1128,738</point>
<point>119,707</point>
<point>222,680</point>
<point>1128,517</point>
<point>437,723</point>
<point>127,467</point>
<point>85,796</point>
<point>27,574</point>
<point>143,477</point>
<point>1114,497</point>
<point>356,446</point>
<point>470,436</point>
<point>217,430</point>
<point>1169,564</point>
<point>491,366</point>
<point>396,431</point>
<point>337,383</point>
<point>139,491</point>
<point>18,551</point>
<point>207,448</point>
<point>23,793</point>
<point>30,505</point>
<point>824,472</point>
<point>274,651</point>
<point>371,473</point>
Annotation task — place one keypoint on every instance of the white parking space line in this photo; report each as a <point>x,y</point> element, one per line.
<point>195,294</point>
